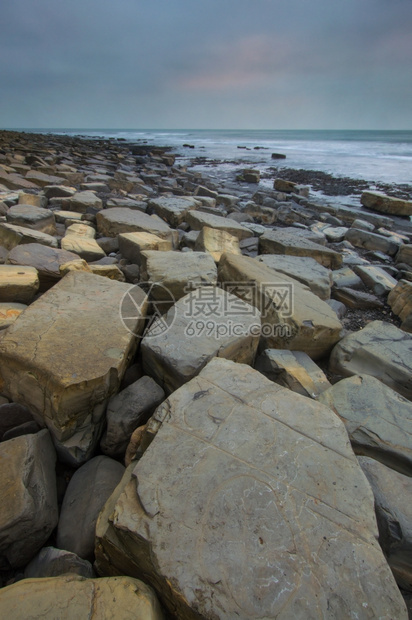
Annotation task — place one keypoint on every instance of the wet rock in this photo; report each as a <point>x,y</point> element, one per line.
<point>251,456</point>
<point>28,511</point>
<point>386,204</point>
<point>51,562</point>
<point>380,349</point>
<point>197,220</point>
<point>18,284</point>
<point>400,300</point>
<point>248,175</point>
<point>128,410</point>
<point>304,269</point>
<point>378,419</point>
<point>216,242</point>
<point>66,377</point>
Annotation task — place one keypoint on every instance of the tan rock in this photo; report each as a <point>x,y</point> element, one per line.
<point>18,284</point>
<point>78,264</point>
<point>81,230</point>
<point>400,300</point>
<point>108,271</point>
<point>292,316</point>
<point>70,597</point>
<point>11,235</point>
<point>9,312</point>
<point>41,180</point>
<point>216,242</point>
<point>86,248</point>
<point>280,522</point>
<point>132,244</point>
<point>65,356</point>
<point>134,444</point>
<point>198,220</point>
<point>36,200</point>
<point>405,254</point>
<point>386,204</point>
<point>112,222</point>
<point>381,350</point>
<point>172,209</point>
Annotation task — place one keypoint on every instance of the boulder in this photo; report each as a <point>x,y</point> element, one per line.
<point>41,180</point>
<point>65,356</point>
<point>132,244</point>
<point>304,269</point>
<point>74,598</point>
<point>128,410</point>
<point>15,181</point>
<point>32,217</point>
<point>51,562</point>
<point>80,230</point>
<point>294,370</point>
<point>292,316</point>
<point>45,259</point>
<point>18,284</point>
<point>393,492</point>
<point>377,201</point>
<point>353,298</point>
<point>282,185</point>
<point>67,217</point>
<point>58,191</point>
<point>28,511</point>
<point>371,241</point>
<point>376,279</point>
<point>86,248</point>
<point>405,254</point>
<point>9,311</point>
<point>250,175</point>
<point>345,277</point>
<point>205,323</point>
<point>378,419</point>
<point>277,241</point>
<point>381,350</point>
<point>108,271</point>
<point>172,209</point>
<point>171,275</point>
<point>87,492</point>
<point>280,519</point>
<point>84,202</point>
<point>112,222</point>
<point>400,300</point>
<point>11,235</point>
<point>36,200</point>
<point>216,242</point>
<point>198,219</point>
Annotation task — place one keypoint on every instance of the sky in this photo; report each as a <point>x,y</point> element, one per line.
<point>206,64</point>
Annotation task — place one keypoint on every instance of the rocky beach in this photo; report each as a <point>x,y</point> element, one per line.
<point>205,387</point>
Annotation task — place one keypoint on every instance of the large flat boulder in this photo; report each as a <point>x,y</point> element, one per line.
<point>85,202</point>
<point>11,235</point>
<point>378,419</point>
<point>172,209</point>
<point>249,503</point>
<point>205,323</point>
<point>372,241</point>
<point>86,248</point>
<point>32,217</point>
<point>380,349</point>
<point>18,284</point>
<point>304,269</point>
<point>377,201</point>
<point>45,259</point>
<point>65,356</point>
<point>291,243</point>
<point>28,510</point>
<point>70,597</point>
<point>198,219</point>
<point>112,222</point>
<point>292,316</point>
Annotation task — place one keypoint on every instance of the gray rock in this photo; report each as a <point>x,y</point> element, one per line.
<point>197,220</point>
<point>51,562</point>
<point>85,202</point>
<point>171,209</point>
<point>11,235</point>
<point>280,521</point>
<point>87,492</point>
<point>129,409</point>
<point>356,299</point>
<point>28,511</point>
<point>277,241</point>
<point>378,419</point>
<point>45,259</point>
<point>346,278</point>
<point>304,269</point>
<point>32,217</point>
<point>112,222</point>
<point>392,493</point>
<point>12,415</point>
<point>371,241</point>
<point>380,349</point>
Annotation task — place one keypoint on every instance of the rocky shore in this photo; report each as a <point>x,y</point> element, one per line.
<point>205,390</point>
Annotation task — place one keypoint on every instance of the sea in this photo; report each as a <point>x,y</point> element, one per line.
<point>383,156</point>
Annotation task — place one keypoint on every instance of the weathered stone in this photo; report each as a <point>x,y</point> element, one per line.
<point>51,562</point>
<point>65,356</point>
<point>74,598</point>
<point>294,370</point>
<point>216,242</point>
<point>36,200</point>
<point>132,244</point>
<point>11,235</point>
<point>171,275</point>
<point>45,259</point>
<point>378,419</point>
<point>32,217</point>
<point>338,307</point>
<point>28,510</point>
<point>171,209</point>
<point>112,222</point>
<point>304,269</point>
<point>277,241</point>
<point>393,492</point>
<point>282,185</point>
<point>380,349</point>
<point>376,279</point>
<point>41,180</point>
<point>353,298</point>
<point>206,192</point>
<point>66,217</point>
<point>292,316</point>
<point>88,249</point>
<point>206,323</point>
<point>9,312</point>
<point>85,202</point>
<point>18,284</point>
<point>81,230</point>
<point>346,278</point>
<point>371,241</point>
<point>400,300</point>
<point>134,445</point>
<point>130,203</point>
<point>87,492</point>
<point>108,271</point>
<point>15,181</point>
<point>198,219</point>
<point>405,254</point>
<point>386,204</point>
<point>280,522</point>
<point>128,410</point>
<point>363,225</point>
<point>250,175</point>
<point>335,234</point>
<point>58,191</point>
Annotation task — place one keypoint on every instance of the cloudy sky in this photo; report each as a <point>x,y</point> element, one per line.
<point>228,64</point>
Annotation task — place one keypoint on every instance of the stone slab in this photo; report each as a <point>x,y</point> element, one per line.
<point>292,244</point>
<point>18,284</point>
<point>112,222</point>
<point>197,220</point>
<point>304,269</point>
